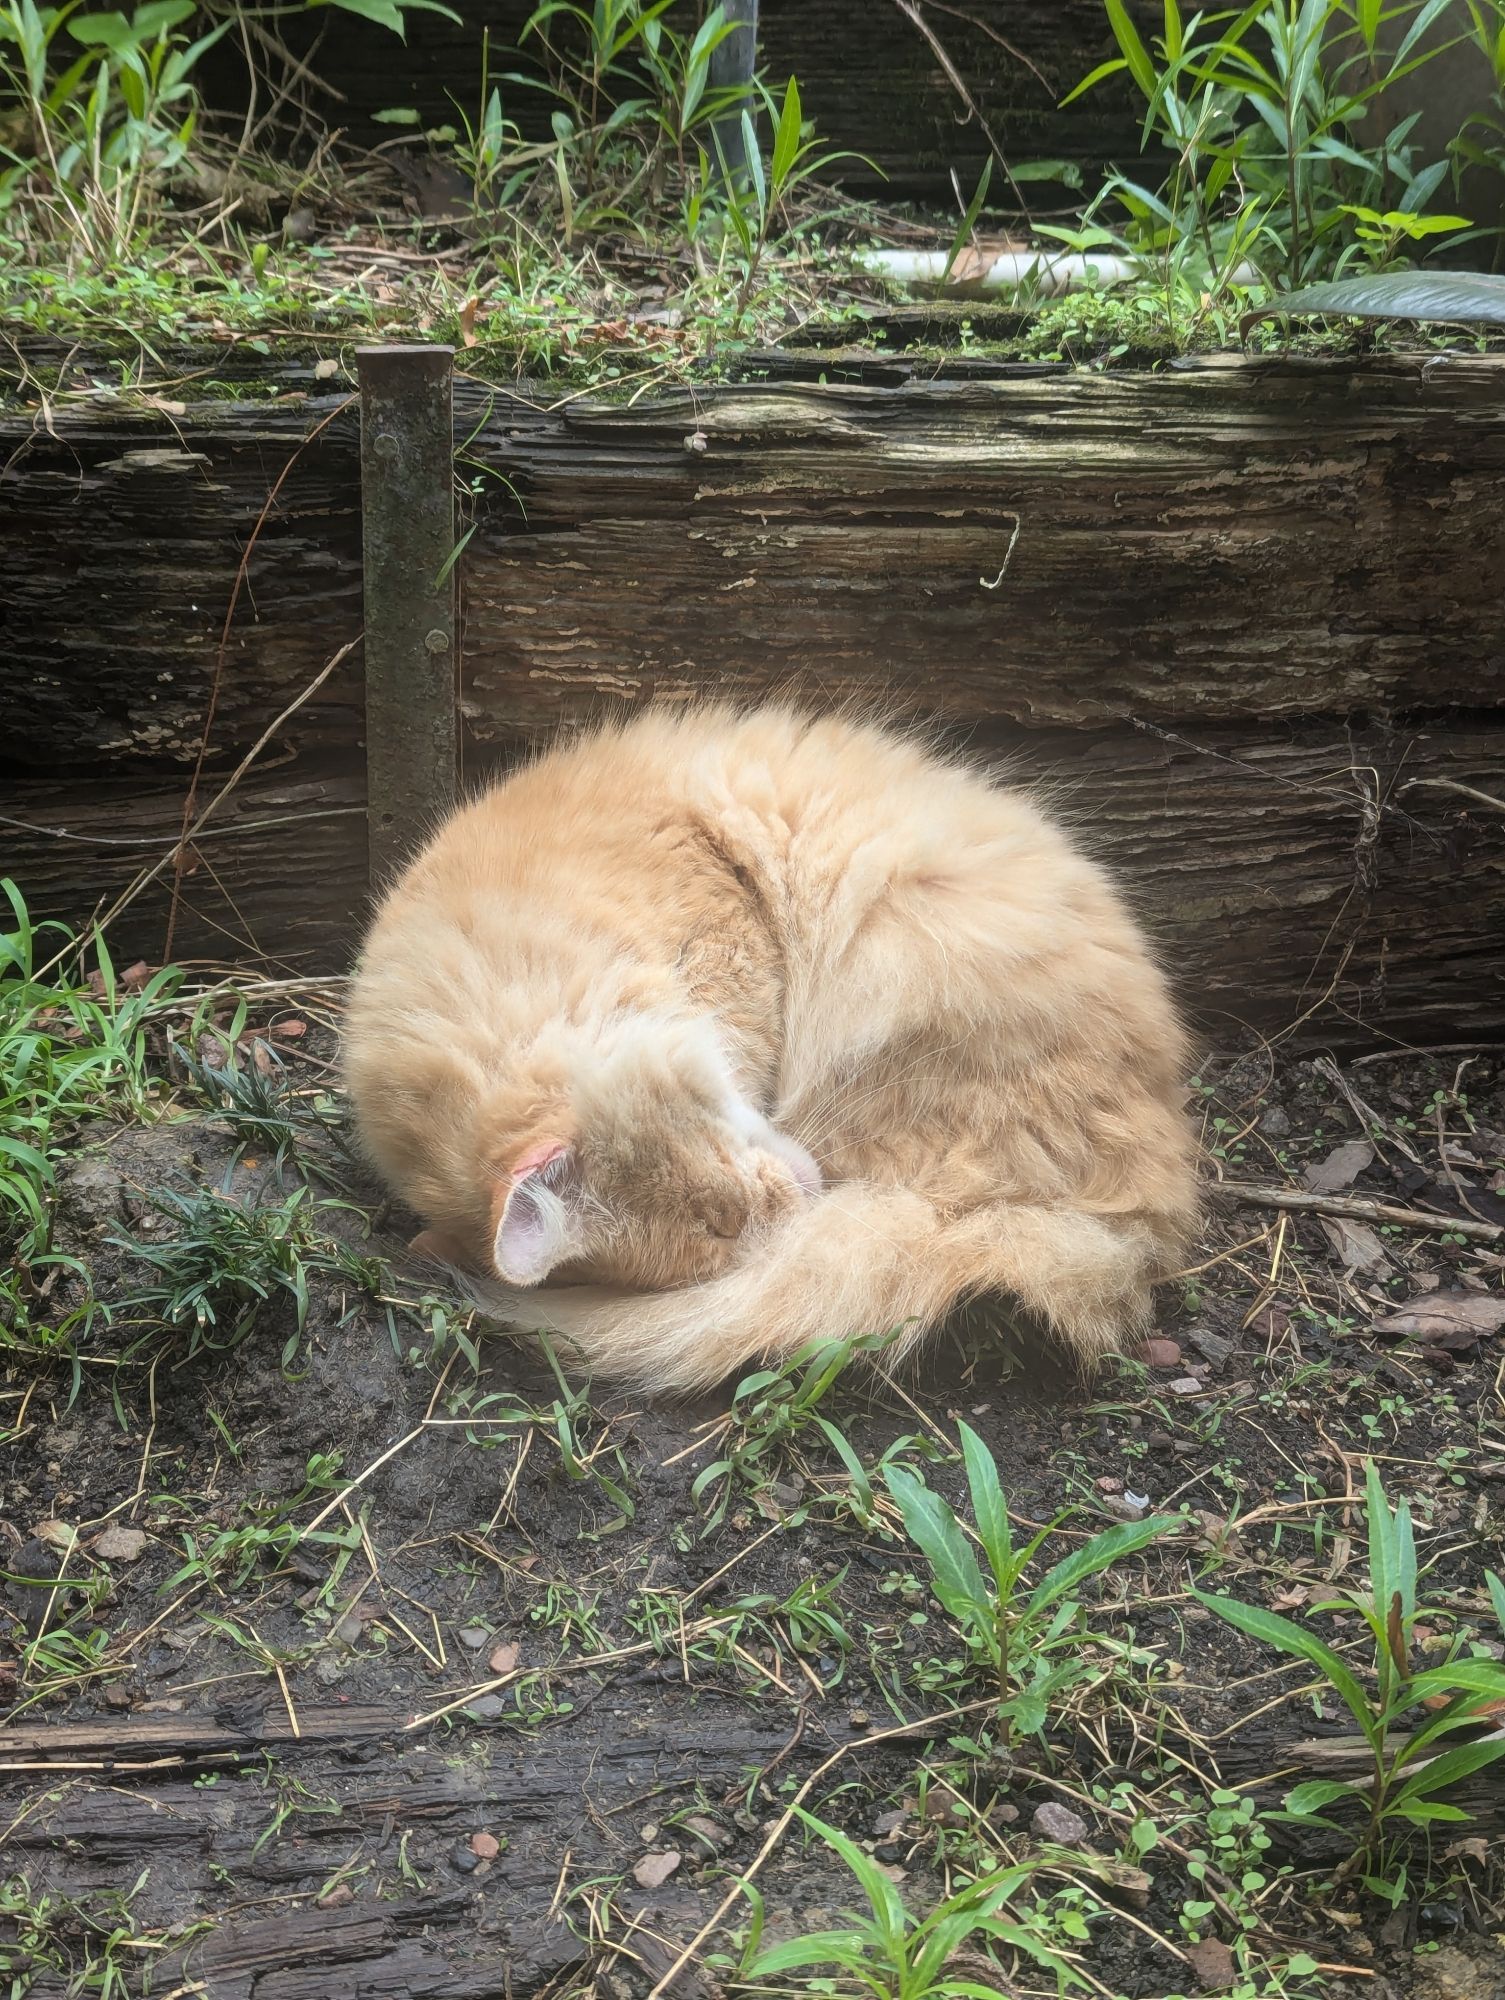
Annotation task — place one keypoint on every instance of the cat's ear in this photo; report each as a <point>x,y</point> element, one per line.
<point>536,1228</point>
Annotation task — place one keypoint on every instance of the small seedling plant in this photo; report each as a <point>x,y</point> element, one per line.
<point>893,1954</point>
<point>773,1409</point>
<point>1029,1639</point>
<point>1409,1768</point>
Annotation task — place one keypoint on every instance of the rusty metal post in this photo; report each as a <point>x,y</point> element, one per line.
<point>408,542</point>
<point>734,61</point>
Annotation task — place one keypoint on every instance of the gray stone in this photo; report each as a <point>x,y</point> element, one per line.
<point>1211,1346</point>
<point>1058,1824</point>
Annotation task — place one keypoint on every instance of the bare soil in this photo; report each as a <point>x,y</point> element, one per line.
<point>495,1747</point>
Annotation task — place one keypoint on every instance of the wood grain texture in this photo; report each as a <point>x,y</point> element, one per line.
<point>1270,863</point>
<point>1221,543</point>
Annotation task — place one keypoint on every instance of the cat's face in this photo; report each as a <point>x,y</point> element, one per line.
<point>653,1203</point>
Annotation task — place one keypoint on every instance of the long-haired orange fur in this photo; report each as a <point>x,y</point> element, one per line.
<point>713,1032</point>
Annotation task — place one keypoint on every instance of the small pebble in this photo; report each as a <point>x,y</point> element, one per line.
<point>654,1870</point>
<point>485,1846</point>
<point>461,1859</point>
<point>1057,1823</point>
<point>486,1707</point>
<point>474,1636</point>
<point>1211,1346</point>
<point>1185,1385</point>
<point>348,1631</point>
<point>1162,1354</point>
<point>710,1833</point>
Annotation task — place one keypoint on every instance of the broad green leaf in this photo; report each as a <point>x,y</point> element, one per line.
<point>1419,1811</point>
<point>1287,1637</point>
<point>1465,298</point>
<point>1136,55</point>
<point>936,1533</point>
<point>1303,1800</point>
<point>754,159</point>
<point>786,140</point>
<point>989,1509</point>
<point>888,1908</point>
<point>17,1149</point>
<point>1469,1676</point>
<point>1097,1555</point>
<point>385,13</point>
<point>1450,1767</point>
<point>1492,1583</point>
<point>857,1472</point>
<point>820,1948</point>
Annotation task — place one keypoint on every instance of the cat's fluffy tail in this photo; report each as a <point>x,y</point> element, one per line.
<point>861,1259</point>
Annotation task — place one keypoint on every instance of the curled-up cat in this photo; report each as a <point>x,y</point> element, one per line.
<point>713,1032</point>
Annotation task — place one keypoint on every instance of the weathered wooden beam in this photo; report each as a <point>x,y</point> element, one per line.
<point>1272,865</point>
<point>1222,543</point>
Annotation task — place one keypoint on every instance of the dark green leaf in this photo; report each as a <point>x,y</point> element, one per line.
<point>1465,298</point>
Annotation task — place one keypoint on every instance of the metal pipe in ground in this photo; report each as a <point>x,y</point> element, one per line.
<point>408,542</point>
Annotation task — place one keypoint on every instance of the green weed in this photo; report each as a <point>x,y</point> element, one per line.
<point>773,1410</point>
<point>1287,165</point>
<point>1029,1640</point>
<point>896,1956</point>
<point>1408,1770</point>
<point>229,1263</point>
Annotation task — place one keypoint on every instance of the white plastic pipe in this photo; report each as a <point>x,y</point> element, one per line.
<point>1051,271</point>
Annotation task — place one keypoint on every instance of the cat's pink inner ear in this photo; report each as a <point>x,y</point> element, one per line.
<point>533,1228</point>
<point>533,1159</point>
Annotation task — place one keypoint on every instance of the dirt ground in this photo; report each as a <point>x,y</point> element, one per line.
<point>335,1666</point>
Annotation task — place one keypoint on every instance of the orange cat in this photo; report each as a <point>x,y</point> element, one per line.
<point>743,1029</point>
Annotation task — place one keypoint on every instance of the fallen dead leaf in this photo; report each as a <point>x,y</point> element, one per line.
<point>1474,1848</point>
<point>1341,1168</point>
<point>1356,1243</point>
<point>56,1534</point>
<point>1447,1319</point>
<point>654,1870</point>
<point>119,1544</point>
<point>468,322</point>
<point>289,1031</point>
